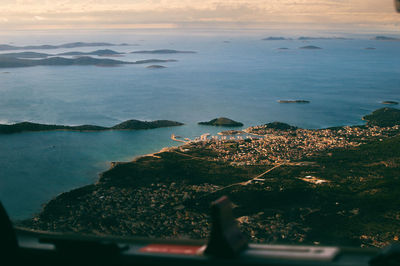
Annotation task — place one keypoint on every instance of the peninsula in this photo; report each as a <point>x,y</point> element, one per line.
<point>384,117</point>
<point>222,121</point>
<point>291,186</point>
<point>127,125</point>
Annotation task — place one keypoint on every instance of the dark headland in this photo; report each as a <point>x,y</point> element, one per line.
<point>384,117</point>
<point>127,125</point>
<point>293,186</point>
<point>222,121</point>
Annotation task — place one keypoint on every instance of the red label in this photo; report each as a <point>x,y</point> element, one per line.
<point>171,249</point>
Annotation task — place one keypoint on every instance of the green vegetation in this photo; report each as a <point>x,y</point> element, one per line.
<point>280,126</point>
<point>127,125</point>
<point>337,196</point>
<point>222,121</point>
<point>384,117</point>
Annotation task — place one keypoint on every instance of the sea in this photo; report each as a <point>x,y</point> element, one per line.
<point>233,74</point>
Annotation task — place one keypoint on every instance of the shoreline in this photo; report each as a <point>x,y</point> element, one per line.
<point>167,193</point>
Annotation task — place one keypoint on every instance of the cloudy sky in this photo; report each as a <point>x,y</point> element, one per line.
<point>70,14</point>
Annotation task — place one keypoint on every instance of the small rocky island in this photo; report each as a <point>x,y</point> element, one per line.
<point>272,38</point>
<point>293,101</point>
<point>223,122</point>
<point>156,67</point>
<point>310,47</point>
<point>127,125</point>
<point>390,102</point>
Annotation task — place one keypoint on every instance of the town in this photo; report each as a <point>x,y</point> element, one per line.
<point>264,145</point>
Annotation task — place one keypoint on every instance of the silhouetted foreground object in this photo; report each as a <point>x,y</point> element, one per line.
<point>222,121</point>
<point>8,240</point>
<point>226,239</point>
<point>384,117</point>
<point>389,256</point>
<point>127,125</point>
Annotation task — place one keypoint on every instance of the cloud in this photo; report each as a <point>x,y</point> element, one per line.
<point>102,13</point>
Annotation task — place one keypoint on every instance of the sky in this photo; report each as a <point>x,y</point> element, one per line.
<point>275,14</point>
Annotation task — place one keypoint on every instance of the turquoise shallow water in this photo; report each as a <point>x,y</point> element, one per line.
<point>242,80</point>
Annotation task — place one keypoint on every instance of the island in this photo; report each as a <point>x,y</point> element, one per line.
<point>276,39</point>
<point>10,62</point>
<point>25,55</point>
<point>370,48</point>
<point>385,38</point>
<point>293,101</point>
<point>4,47</point>
<point>390,102</point>
<point>291,186</point>
<point>156,66</point>
<point>384,117</point>
<point>163,51</point>
<point>303,38</point>
<point>104,52</point>
<point>222,121</point>
<point>283,48</point>
<point>310,47</point>
<point>127,125</point>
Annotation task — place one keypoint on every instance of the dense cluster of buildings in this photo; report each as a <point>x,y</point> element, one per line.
<point>264,145</point>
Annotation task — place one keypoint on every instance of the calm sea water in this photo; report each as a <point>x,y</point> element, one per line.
<point>240,77</point>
